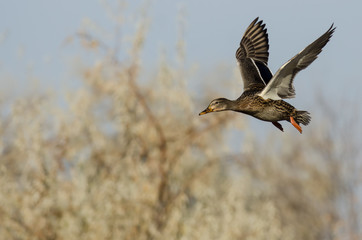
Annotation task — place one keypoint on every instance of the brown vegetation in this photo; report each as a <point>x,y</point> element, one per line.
<point>134,161</point>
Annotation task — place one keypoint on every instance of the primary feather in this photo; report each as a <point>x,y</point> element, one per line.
<point>281,85</point>
<point>252,55</point>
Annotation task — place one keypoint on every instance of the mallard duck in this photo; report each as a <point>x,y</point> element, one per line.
<point>263,92</point>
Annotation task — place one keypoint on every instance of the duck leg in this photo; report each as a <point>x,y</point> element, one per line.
<point>296,125</point>
<point>278,125</point>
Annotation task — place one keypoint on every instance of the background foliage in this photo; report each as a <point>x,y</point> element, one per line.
<point>128,158</point>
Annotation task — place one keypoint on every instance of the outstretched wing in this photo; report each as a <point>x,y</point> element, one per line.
<point>252,55</point>
<point>281,85</point>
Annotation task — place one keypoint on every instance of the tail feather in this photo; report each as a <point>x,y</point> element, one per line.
<point>303,117</point>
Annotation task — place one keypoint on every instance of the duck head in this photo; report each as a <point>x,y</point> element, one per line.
<point>217,105</point>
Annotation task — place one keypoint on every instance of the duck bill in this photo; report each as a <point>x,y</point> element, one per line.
<point>207,110</point>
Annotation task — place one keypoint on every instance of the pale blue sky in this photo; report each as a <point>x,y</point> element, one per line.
<point>32,34</point>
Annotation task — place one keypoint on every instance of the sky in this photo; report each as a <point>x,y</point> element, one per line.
<point>33,35</point>
<point>34,52</point>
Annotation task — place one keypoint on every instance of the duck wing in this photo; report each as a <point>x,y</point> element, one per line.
<point>252,55</point>
<point>281,85</point>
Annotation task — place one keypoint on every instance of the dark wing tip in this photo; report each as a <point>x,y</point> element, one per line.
<point>330,31</point>
<point>324,39</point>
<point>332,28</point>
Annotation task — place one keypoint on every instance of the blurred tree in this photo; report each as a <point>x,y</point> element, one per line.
<point>132,160</point>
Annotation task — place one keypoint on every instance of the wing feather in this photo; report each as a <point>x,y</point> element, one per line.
<point>252,55</point>
<point>281,85</point>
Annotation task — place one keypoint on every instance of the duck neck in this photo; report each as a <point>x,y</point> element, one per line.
<point>232,105</point>
<point>238,106</point>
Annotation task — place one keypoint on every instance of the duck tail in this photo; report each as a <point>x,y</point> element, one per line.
<point>303,117</point>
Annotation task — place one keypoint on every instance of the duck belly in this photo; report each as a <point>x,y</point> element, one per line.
<point>274,110</point>
<point>270,115</point>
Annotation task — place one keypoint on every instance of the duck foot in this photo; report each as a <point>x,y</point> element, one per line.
<point>296,125</point>
<point>278,125</point>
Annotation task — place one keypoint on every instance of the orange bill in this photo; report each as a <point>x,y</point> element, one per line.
<point>207,110</point>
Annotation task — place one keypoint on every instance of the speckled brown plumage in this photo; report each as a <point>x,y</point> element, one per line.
<point>263,92</point>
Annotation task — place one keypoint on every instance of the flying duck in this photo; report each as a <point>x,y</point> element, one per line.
<point>264,92</point>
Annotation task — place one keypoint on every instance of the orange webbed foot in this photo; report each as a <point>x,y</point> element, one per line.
<point>296,125</point>
<point>278,125</point>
